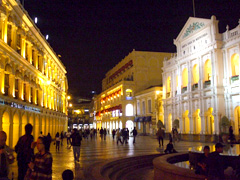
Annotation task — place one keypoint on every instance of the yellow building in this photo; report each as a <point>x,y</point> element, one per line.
<point>114,107</point>
<point>149,106</point>
<point>33,82</point>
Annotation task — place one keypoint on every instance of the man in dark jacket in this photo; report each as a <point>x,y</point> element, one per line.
<point>216,164</point>
<point>134,132</point>
<point>76,143</point>
<point>24,151</point>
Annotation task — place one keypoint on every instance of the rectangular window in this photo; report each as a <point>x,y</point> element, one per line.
<point>139,125</point>
<point>16,89</point>
<point>149,106</point>
<point>6,84</point>
<point>143,108</point>
<point>25,92</point>
<point>138,108</point>
<point>18,42</point>
<point>31,95</point>
<point>26,51</point>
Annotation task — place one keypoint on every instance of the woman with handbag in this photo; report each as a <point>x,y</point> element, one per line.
<point>40,168</point>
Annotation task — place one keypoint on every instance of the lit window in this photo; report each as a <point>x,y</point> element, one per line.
<point>129,110</point>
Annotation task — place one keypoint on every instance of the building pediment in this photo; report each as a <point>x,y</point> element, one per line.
<point>191,27</point>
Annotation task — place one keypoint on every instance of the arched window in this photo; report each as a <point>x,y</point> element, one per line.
<point>207,70</point>
<point>184,80</point>
<point>185,77</point>
<point>235,64</point>
<point>168,86</point>
<point>195,73</point>
<point>129,110</point>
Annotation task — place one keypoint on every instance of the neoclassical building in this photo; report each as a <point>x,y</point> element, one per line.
<point>33,82</point>
<point>201,81</point>
<point>115,106</point>
<point>149,110</point>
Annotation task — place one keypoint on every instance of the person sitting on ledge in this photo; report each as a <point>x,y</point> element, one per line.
<point>170,148</point>
<point>202,162</point>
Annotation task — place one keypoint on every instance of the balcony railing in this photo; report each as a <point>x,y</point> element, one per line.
<point>207,83</point>
<point>195,86</point>
<point>184,89</point>
<point>234,78</point>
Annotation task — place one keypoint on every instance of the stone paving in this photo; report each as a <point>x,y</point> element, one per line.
<point>96,150</point>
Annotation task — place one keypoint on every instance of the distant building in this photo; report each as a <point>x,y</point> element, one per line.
<point>201,81</point>
<point>33,82</point>
<point>114,106</point>
<point>149,110</point>
<point>79,113</point>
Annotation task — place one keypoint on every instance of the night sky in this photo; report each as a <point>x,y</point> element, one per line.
<point>93,36</point>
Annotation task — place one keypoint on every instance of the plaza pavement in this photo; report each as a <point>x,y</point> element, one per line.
<point>96,150</point>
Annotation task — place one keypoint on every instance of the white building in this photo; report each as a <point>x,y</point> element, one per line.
<point>201,81</point>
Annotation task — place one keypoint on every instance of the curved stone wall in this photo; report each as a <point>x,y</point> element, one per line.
<point>165,169</point>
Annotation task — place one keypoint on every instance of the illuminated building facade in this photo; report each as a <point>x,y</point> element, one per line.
<point>201,81</point>
<point>115,106</point>
<point>149,110</point>
<point>33,82</point>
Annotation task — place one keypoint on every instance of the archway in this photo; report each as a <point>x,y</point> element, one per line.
<point>186,122</point>
<point>209,121</point>
<point>6,125</point>
<point>237,119</point>
<point>31,121</point>
<point>54,126</point>
<point>36,127</point>
<point>44,126</point>
<point>170,122</point>
<point>235,64</point>
<point>196,122</point>
<point>15,136</point>
<point>117,125</point>
<point>47,126</point>
<point>129,125</point>
<point>24,123</point>
<point>51,126</point>
<point>110,129</point>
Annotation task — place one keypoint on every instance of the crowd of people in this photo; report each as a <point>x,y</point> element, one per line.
<point>39,166</point>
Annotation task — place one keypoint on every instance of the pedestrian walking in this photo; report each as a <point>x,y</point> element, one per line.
<point>24,151</point>
<point>101,133</point>
<point>113,133</point>
<point>134,132</point>
<point>41,165</point>
<point>91,133</point>
<point>62,137</point>
<point>160,135</point>
<point>104,133</point>
<point>119,136</point>
<point>57,141</point>
<point>41,135</point>
<point>49,138</point>
<point>216,164</point>
<point>125,135</point>
<point>76,143</point>
<point>6,156</point>
<point>68,134</point>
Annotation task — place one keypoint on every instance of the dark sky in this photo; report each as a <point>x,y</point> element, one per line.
<point>93,36</point>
